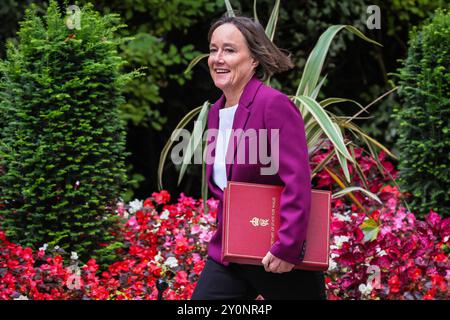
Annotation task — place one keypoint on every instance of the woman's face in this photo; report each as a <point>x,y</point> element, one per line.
<point>230,62</point>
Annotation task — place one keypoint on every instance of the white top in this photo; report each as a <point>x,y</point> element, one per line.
<point>226,117</point>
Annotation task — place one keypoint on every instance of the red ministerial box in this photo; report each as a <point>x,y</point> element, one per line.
<point>251,221</point>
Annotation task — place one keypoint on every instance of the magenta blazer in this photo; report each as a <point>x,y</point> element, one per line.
<point>262,107</point>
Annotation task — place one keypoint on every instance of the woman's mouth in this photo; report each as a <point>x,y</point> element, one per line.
<point>221,71</point>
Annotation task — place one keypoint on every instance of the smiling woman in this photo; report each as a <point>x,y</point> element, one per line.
<point>240,48</point>
<point>241,57</point>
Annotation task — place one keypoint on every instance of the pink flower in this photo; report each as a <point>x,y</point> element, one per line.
<point>196,257</point>
<point>186,201</point>
<point>433,219</point>
<point>205,236</point>
<point>181,278</point>
<point>120,209</point>
<point>195,229</point>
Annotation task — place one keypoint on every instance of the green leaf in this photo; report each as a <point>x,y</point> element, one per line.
<point>194,62</point>
<point>352,189</point>
<point>229,8</point>
<point>272,23</point>
<point>255,14</point>
<point>370,228</point>
<point>165,151</point>
<point>326,124</point>
<point>315,61</point>
<point>196,138</point>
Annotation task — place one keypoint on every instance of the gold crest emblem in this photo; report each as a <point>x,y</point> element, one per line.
<point>256,222</point>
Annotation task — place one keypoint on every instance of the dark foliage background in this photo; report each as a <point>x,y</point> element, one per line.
<point>169,33</point>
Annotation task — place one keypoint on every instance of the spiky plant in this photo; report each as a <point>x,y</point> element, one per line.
<point>320,123</point>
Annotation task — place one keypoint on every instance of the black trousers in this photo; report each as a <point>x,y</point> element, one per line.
<point>245,282</point>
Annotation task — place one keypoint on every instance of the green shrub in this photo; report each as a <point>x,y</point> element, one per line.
<point>62,145</point>
<point>424,139</point>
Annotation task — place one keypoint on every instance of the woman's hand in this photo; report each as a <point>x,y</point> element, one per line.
<point>276,265</point>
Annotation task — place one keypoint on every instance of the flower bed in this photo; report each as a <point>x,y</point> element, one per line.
<point>383,253</point>
<point>168,243</point>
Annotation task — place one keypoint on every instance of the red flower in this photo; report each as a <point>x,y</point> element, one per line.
<point>438,282</point>
<point>429,295</point>
<point>12,264</point>
<point>57,260</point>
<point>375,215</point>
<point>441,257</point>
<point>198,267</point>
<point>148,203</point>
<point>394,284</point>
<point>414,274</point>
<point>155,270</point>
<point>161,197</point>
<point>181,278</point>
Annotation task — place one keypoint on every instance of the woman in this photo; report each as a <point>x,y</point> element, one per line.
<point>241,57</point>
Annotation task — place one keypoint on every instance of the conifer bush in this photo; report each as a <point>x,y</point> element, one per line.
<point>62,144</point>
<point>424,128</point>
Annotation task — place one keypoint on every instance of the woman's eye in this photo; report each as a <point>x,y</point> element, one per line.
<point>212,50</point>
<point>229,50</point>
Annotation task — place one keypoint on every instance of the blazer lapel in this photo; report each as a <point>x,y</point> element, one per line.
<point>240,119</point>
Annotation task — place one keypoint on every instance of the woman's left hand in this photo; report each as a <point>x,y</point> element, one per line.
<point>276,265</point>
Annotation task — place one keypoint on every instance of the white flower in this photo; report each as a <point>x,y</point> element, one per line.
<point>135,205</point>
<point>332,265</point>
<point>381,252</point>
<point>342,217</point>
<point>171,262</point>
<point>158,257</point>
<point>73,255</point>
<point>126,214</point>
<point>365,289</point>
<point>339,240</point>
<point>22,297</point>
<point>164,215</point>
<point>44,247</point>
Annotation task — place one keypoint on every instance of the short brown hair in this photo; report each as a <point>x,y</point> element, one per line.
<point>271,59</point>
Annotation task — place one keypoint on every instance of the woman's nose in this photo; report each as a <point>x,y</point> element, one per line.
<point>219,57</point>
